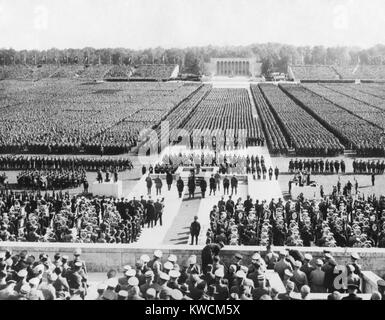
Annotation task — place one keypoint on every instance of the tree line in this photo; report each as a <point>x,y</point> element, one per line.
<point>274,56</point>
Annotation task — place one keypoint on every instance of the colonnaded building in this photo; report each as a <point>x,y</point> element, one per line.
<point>234,67</point>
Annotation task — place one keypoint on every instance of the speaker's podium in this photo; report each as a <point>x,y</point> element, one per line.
<point>108,189</point>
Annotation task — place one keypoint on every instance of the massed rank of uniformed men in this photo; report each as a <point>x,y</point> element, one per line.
<point>227,163</point>
<point>25,277</point>
<point>51,179</point>
<point>318,166</point>
<point>367,167</point>
<point>338,220</point>
<point>57,217</point>
<point>91,164</point>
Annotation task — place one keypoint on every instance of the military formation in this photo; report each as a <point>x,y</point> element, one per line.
<point>58,217</point>
<point>51,179</point>
<point>90,164</point>
<point>338,220</point>
<point>228,163</point>
<point>317,166</point>
<point>367,167</point>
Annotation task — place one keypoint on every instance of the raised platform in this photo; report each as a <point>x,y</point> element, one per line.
<point>309,192</point>
<point>108,189</point>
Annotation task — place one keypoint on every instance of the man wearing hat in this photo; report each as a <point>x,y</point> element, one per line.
<point>77,254</point>
<point>35,293</point>
<point>257,267</point>
<point>195,229</point>
<point>21,263</point>
<point>145,260</point>
<point>149,275</point>
<point>353,278</point>
<point>173,283</point>
<point>155,264</point>
<point>307,267</point>
<point>193,266</point>
<point>282,264</point>
<point>151,294</point>
<point>209,252</point>
<point>185,291</point>
<point>122,295</point>
<point>167,267</point>
<point>77,279</point>
<point>305,291</point>
<point>288,295</point>
<point>299,277</point>
<point>165,291</point>
<point>261,289</point>
<point>173,259</point>
<point>270,258</point>
<point>352,291</point>
<point>23,292</point>
<point>57,260</point>
<point>176,295</point>
<point>237,259</point>
<point>123,281</point>
<point>110,291</point>
<point>242,280</point>
<point>354,257</point>
<point>287,276</point>
<point>139,273</point>
<point>317,278</point>
<point>222,290</point>
<point>21,279</point>
<point>133,289</point>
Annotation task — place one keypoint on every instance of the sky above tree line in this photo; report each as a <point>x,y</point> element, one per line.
<point>139,24</point>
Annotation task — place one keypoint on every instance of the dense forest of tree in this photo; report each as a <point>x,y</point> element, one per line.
<point>274,56</point>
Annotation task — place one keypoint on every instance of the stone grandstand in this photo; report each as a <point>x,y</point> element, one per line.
<point>147,72</point>
<point>308,73</point>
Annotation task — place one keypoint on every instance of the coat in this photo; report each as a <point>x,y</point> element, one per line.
<point>180,185</point>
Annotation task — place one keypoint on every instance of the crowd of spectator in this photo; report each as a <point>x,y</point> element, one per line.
<point>26,277</point>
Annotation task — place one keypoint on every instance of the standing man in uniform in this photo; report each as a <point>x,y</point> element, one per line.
<point>276,172</point>
<point>203,186</point>
<point>213,185</point>
<point>169,179</point>
<point>226,185</point>
<point>234,185</point>
<point>195,230</point>
<point>180,186</point>
<point>158,185</point>
<point>149,184</point>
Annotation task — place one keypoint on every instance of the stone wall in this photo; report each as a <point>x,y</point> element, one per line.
<point>102,257</point>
